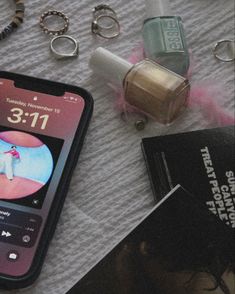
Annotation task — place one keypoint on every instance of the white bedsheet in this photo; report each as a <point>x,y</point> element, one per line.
<point>110,189</point>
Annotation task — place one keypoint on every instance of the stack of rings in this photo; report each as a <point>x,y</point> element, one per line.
<point>59,34</point>
<point>16,21</point>
<point>101,13</point>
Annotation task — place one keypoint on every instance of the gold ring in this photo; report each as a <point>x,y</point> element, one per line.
<point>54,13</point>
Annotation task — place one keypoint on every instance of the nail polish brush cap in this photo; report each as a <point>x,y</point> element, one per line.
<point>110,65</point>
<point>155,8</point>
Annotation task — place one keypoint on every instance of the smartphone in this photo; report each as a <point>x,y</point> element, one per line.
<point>178,247</point>
<point>42,128</point>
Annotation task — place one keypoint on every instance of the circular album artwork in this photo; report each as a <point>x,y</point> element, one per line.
<point>26,165</point>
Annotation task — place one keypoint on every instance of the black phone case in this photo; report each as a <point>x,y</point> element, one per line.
<point>53,88</point>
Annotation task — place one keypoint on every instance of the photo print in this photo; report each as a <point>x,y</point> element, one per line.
<point>179,248</point>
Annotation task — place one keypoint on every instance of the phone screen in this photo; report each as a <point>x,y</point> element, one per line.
<point>36,134</point>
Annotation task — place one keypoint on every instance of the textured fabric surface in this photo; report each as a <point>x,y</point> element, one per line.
<point>110,189</point>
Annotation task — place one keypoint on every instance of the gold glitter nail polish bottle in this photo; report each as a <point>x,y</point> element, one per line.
<point>148,86</point>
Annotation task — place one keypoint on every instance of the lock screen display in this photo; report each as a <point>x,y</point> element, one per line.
<point>35,130</point>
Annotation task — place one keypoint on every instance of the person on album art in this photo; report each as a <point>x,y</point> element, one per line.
<point>26,164</point>
<point>11,157</point>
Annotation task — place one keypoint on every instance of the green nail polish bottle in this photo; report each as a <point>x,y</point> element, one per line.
<point>164,39</point>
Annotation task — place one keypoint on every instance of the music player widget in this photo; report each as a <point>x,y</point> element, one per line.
<point>19,228</point>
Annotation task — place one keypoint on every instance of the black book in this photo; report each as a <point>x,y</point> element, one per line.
<point>179,247</point>
<point>203,162</point>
